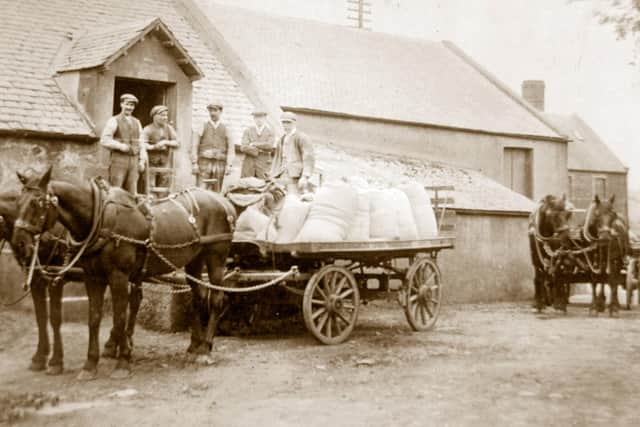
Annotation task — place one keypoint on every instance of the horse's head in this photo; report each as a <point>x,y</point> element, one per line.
<point>600,220</point>
<point>37,212</point>
<point>553,217</point>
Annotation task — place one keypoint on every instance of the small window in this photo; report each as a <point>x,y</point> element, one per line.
<point>600,186</point>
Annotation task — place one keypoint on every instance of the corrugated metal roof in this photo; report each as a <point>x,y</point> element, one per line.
<point>586,150</point>
<point>318,66</point>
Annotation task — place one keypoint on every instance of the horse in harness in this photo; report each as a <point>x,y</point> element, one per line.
<point>548,233</point>
<point>53,249</point>
<point>607,237</point>
<point>596,255</point>
<point>123,241</point>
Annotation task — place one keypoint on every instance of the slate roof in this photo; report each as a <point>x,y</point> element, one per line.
<point>102,46</point>
<point>473,190</point>
<point>317,66</point>
<point>33,32</point>
<point>586,150</point>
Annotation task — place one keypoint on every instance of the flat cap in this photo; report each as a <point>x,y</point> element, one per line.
<point>214,106</point>
<point>157,110</point>
<point>128,97</point>
<point>259,112</point>
<point>288,116</point>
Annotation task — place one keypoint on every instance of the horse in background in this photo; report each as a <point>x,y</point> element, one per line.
<point>548,234</point>
<point>604,227</point>
<point>125,242</point>
<point>52,250</point>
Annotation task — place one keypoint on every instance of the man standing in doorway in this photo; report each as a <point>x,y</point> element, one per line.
<point>211,151</point>
<point>258,147</point>
<point>121,135</point>
<point>294,160</point>
<point>158,138</point>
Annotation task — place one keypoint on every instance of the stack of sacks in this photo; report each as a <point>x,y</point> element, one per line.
<point>423,214</point>
<point>331,214</point>
<point>291,218</point>
<point>254,224</point>
<point>391,216</point>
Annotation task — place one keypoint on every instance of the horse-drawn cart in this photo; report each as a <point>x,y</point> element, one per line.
<point>330,278</point>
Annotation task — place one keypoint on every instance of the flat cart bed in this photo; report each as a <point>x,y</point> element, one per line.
<point>352,250</point>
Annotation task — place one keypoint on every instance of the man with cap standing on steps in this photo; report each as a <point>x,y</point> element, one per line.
<point>294,160</point>
<point>121,135</point>
<point>211,151</point>
<point>158,137</point>
<point>258,145</point>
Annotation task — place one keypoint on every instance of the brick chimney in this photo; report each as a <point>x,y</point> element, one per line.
<point>533,93</point>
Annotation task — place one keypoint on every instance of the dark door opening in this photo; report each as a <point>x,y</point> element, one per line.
<point>149,93</point>
<point>517,170</point>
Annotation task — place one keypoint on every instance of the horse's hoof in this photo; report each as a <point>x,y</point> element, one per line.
<point>55,370</point>
<point>38,365</point>
<point>86,375</point>
<point>120,373</point>
<point>190,357</point>
<point>109,352</point>
<point>205,360</point>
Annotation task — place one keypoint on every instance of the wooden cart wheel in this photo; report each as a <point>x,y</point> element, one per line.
<point>330,304</point>
<point>422,294</point>
<point>632,281</point>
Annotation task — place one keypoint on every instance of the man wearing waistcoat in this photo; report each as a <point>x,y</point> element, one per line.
<point>121,135</point>
<point>294,160</point>
<point>158,137</point>
<point>211,151</point>
<point>258,145</point>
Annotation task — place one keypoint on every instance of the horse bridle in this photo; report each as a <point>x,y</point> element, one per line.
<point>587,221</point>
<point>536,228</point>
<point>50,205</point>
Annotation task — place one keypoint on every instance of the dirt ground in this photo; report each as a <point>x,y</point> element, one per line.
<point>487,365</point>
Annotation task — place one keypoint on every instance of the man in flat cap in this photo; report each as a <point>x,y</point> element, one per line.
<point>258,145</point>
<point>121,135</point>
<point>158,138</point>
<point>294,160</point>
<point>211,151</point>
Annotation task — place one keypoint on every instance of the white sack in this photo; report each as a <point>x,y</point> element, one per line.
<point>291,218</point>
<point>359,230</point>
<point>423,213</point>
<point>330,214</point>
<point>383,225</point>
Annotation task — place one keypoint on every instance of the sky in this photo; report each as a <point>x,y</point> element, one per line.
<point>586,70</point>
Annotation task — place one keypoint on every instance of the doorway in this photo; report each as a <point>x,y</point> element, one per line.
<point>149,94</point>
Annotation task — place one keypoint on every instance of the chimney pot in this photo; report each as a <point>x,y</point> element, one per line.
<point>533,93</point>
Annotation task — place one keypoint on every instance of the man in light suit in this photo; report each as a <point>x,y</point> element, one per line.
<point>294,160</point>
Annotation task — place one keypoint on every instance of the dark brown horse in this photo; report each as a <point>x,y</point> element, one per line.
<point>125,242</point>
<point>51,251</point>
<point>604,227</point>
<point>549,232</point>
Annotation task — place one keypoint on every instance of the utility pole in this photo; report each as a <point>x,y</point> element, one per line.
<point>359,14</point>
